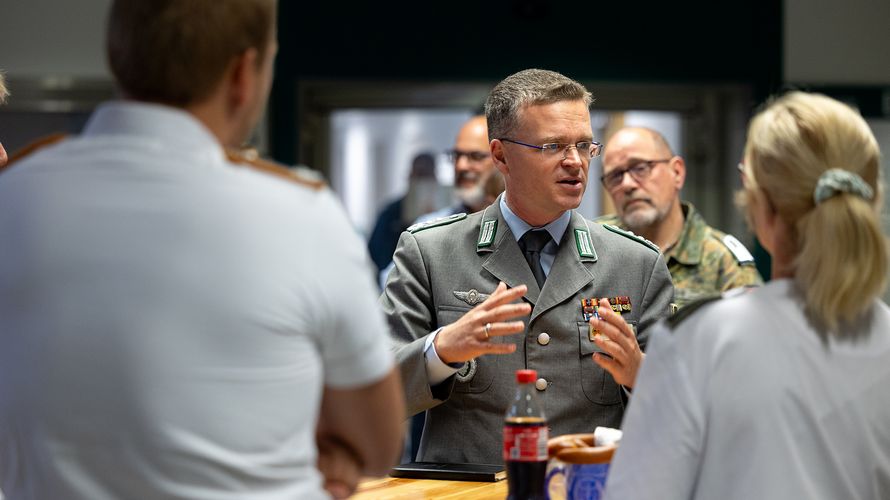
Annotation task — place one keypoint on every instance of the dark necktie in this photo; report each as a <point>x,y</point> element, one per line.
<point>531,244</point>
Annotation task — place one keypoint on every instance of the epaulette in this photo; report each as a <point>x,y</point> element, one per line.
<point>632,236</point>
<point>441,221</point>
<point>33,147</point>
<point>737,249</point>
<point>249,158</point>
<point>687,310</point>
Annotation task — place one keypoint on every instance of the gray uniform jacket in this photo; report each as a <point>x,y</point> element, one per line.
<point>436,271</point>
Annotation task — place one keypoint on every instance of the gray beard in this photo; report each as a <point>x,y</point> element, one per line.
<point>641,219</point>
<point>472,197</point>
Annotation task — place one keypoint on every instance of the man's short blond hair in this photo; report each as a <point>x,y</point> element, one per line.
<point>176,51</point>
<point>526,88</point>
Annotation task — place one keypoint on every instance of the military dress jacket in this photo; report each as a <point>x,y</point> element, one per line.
<point>444,270</point>
<point>704,261</point>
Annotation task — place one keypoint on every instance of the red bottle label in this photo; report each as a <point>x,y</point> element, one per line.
<point>525,442</point>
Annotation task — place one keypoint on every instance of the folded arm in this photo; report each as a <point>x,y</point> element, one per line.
<point>359,433</point>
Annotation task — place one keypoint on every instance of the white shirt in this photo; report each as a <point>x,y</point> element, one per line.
<point>744,400</point>
<point>168,319</point>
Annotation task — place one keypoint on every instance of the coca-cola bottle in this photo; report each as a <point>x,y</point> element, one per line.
<point>525,441</point>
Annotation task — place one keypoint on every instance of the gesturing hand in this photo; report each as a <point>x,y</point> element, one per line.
<point>470,336</point>
<point>618,341</point>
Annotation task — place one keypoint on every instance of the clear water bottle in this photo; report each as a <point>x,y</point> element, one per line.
<point>525,441</point>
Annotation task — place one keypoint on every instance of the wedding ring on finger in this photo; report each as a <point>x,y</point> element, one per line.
<point>487,330</point>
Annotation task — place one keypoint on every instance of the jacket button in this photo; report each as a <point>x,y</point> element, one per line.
<point>544,338</point>
<point>541,384</point>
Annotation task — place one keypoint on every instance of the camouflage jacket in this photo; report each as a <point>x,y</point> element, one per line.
<point>704,261</point>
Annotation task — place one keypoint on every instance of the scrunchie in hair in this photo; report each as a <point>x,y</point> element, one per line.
<point>837,180</point>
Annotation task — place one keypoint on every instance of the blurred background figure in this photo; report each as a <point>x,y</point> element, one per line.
<point>423,196</point>
<point>473,182</point>
<point>781,391</point>
<point>472,166</point>
<point>644,178</point>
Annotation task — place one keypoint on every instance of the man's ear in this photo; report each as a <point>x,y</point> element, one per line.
<point>678,167</point>
<point>498,156</point>
<point>243,78</point>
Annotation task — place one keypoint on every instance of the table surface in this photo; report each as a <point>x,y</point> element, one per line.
<point>399,488</point>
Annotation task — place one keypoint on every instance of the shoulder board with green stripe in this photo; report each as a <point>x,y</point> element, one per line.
<point>487,232</point>
<point>584,245</point>
<point>442,221</point>
<point>632,236</point>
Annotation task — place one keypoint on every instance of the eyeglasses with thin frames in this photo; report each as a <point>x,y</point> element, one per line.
<point>586,149</point>
<point>639,171</point>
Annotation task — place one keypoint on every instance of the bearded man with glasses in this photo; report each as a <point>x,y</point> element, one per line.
<point>644,177</point>
<point>526,283</point>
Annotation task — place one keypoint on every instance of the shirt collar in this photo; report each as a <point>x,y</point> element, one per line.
<point>688,248</point>
<point>166,126</point>
<point>519,227</point>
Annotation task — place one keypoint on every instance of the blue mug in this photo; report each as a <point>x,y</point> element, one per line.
<point>577,470</point>
<point>576,481</point>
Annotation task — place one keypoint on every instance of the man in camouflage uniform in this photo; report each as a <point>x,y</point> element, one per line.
<point>702,260</point>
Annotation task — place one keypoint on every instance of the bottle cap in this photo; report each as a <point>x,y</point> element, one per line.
<point>526,376</point>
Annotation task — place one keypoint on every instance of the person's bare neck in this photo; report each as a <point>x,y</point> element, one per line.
<point>781,270</point>
<point>781,249</point>
<point>665,232</point>
<point>529,216</point>
<point>214,118</point>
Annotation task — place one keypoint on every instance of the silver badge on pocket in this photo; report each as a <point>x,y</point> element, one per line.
<point>471,296</point>
<point>466,373</point>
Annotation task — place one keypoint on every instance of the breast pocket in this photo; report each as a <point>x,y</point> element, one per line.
<point>477,375</point>
<point>598,384</point>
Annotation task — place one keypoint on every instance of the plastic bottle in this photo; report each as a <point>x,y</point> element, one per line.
<point>525,441</point>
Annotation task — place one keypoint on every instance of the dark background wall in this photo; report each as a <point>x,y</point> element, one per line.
<point>668,42</point>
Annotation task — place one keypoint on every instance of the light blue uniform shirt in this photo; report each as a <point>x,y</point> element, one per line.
<point>556,229</point>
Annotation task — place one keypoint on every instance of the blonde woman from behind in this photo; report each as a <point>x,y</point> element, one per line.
<point>779,392</point>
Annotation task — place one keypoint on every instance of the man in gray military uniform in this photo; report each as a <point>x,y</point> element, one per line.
<point>459,281</point>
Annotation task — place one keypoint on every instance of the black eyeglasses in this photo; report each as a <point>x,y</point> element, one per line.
<point>586,149</point>
<point>639,171</point>
<point>474,156</point>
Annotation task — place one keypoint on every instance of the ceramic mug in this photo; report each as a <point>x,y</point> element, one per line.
<point>576,481</point>
<point>577,470</point>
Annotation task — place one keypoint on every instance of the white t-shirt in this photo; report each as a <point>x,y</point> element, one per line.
<point>168,319</point>
<point>744,400</point>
